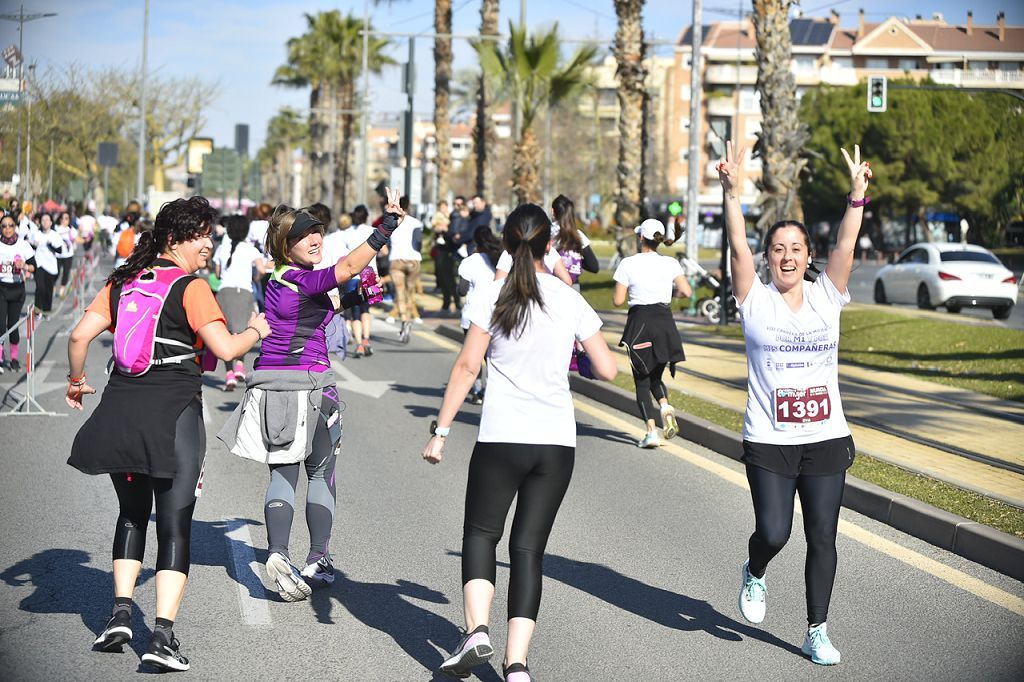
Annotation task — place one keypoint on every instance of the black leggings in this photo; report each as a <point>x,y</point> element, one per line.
<point>64,270</point>
<point>12,298</point>
<point>175,500</point>
<point>646,386</point>
<point>540,475</point>
<point>44,289</point>
<point>820,498</point>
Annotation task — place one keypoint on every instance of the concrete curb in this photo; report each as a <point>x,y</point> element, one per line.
<point>973,541</point>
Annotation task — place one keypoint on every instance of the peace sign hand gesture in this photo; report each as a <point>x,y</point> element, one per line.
<point>860,173</point>
<point>393,195</point>
<point>729,167</point>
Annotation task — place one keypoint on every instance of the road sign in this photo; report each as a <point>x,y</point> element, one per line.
<point>12,56</point>
<point>107,154</point>
<point>222,171</point>
<point>877,93</point>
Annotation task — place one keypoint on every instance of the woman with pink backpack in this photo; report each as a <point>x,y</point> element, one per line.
<point>162,317</point>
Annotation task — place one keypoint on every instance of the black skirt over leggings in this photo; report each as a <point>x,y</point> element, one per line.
<point>498,472</point>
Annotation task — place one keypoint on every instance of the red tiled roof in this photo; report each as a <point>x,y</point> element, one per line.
<point>982,38</point>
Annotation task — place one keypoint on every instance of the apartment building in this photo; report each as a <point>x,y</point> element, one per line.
<point>968,55</point>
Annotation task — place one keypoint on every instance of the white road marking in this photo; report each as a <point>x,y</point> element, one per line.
<point>255,612</point>
<point>348,381</point>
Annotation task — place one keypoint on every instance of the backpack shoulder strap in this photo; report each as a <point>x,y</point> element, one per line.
<point>278,277</point>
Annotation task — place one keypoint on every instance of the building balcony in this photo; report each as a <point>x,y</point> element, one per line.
<point>979,78</point>
<point>835,75</point>
<point>721,106</point>
<point>728,74</point>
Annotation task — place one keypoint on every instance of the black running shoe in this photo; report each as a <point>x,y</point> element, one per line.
<point>474,649</point>
<point>117,633</point>
<point>15,365</point>
<point>165,654</point>
<point>517,672</point>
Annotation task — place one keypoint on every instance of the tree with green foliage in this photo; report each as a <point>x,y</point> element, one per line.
<point>286,131</point>
<point>327,58</point>
<point>946,149</point>
<point>529,66</point>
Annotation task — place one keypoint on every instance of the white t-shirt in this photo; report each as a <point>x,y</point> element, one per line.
<point>528,398</point>
<point>87,226</point>
<point>478,271</point>
<point>258,232</point>
<point>649,276</point>
<point>46,257</point>
<point>356,236</point>
<point>239,273</point>
<point>550,258</point>
<point>8,254</point>
<point>334,249</point>
<point>68,236</point>
<point>792,365</point>
<point>401,241</point>
<point>107,223</point>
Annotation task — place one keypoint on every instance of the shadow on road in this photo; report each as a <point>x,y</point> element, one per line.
<point>658,605</point>
<point>386,607</point>
<point>65,583</point>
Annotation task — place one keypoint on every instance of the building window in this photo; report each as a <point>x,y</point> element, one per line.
<point>877,63</point>
<point>908,64</point>
<point>977,66</point>
<point>682,182</point>
<point>1009,66</point>
<point>842,62</point>
<point>607,97</point>
<point>750,100</point>
<point>684,93</point>
<point>805,63</point>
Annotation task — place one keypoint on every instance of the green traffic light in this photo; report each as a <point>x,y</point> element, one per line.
<point>675,208</point>
<point>876,101</point>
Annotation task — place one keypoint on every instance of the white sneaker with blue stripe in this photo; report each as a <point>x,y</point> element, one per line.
<point>818,646</point>
<point>753,593</point>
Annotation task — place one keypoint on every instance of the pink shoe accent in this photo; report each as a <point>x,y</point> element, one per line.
<point>14,352</point>
<point>240,370</point>
<point>476,640</point>
<point>229,381</point>
<point>518,677</point>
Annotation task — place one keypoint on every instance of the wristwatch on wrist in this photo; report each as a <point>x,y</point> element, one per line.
<point>439,431</point>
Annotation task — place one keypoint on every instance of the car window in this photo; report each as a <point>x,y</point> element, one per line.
<point>909,256</point>
<point>921,256</point>
<point>972,256</point>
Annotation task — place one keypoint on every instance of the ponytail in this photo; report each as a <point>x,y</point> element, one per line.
<point>141,257</point>
<point>231,254</point>
<point>527,233</point>
<point>568,231</point>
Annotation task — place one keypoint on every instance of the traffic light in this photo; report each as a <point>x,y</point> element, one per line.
<point>675,208</point>
<point>877,91</point>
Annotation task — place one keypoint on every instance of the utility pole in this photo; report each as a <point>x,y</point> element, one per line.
<point>692,209</point>
<point>28,141</point>
<point>364,174</point>
<point>410,88</point>
<point>140,171</point>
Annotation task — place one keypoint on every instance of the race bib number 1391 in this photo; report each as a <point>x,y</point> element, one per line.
<point>799,407</point>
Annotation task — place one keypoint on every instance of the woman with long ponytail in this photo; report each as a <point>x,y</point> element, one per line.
<point>235,259</point>
<point>147,432</point>
<point>526,326</point>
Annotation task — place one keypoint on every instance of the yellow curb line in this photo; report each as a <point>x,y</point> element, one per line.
<point>954,577</point>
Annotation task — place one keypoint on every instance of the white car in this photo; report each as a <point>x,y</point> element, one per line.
<point>955,276</point>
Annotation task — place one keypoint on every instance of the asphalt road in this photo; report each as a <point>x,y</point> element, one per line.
<point>641,574</point>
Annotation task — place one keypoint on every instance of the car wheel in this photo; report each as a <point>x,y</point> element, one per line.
<point>953,309</point>
<point>1002,312</point>
<point>880,293</point>
<point>924,299</point>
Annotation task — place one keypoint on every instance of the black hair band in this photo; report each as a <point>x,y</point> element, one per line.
<point>303,222</point>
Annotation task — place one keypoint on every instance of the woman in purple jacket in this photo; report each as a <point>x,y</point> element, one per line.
<point>294,359</point>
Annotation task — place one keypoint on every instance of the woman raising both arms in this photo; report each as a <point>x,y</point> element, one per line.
<point>795,437</point>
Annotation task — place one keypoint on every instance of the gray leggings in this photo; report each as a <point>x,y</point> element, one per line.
<point>279,506</point>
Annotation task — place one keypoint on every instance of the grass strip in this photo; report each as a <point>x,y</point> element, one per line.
<point>970,505</point>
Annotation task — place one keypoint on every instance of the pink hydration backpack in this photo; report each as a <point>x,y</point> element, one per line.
<point>138,313</point>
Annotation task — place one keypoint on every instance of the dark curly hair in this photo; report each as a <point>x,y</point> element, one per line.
<point>178,221</point>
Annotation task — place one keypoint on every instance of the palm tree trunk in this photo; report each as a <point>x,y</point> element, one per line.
<point>442,76</point>
<point>483,132</point>
<point>630,69</point>
<point>525,165</point>
<point>317,157</point>
<point>344,151</point>
<point>782,136</point>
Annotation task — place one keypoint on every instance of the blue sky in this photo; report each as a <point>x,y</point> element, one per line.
<point>239,43</point>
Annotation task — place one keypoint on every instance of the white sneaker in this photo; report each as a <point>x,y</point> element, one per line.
<point>651,440</point>
<point>668,418</point>
<point>390,319</point>
<point>417,320</point>
<point>753,592</point>
<point>818,646</point>
<point>286,577</point>
<point>320,572</point>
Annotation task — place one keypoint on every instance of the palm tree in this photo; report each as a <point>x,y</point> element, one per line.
<point>442,76</point>
<point>629,49</point>
<point>285,131</point>
<point>328,59</point>
<point>529,67</point>
<point>782,135</point>
<point>483,131</point>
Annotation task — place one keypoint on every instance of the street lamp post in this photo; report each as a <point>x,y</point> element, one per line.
<point>21,18</point>
<point>140,171</point>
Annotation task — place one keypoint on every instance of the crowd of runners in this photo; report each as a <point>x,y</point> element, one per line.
<point>192,289</point>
